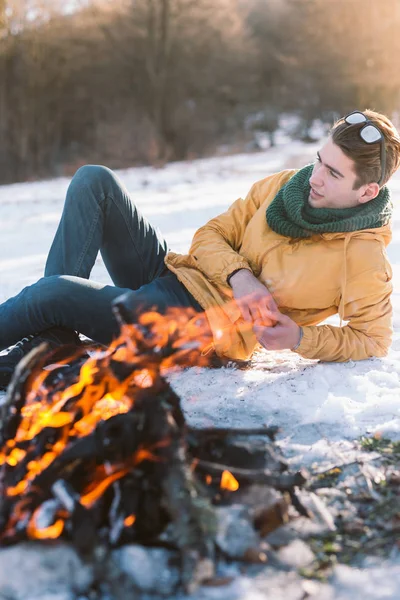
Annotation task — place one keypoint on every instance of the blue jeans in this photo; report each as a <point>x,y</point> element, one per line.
<point>98,215</point>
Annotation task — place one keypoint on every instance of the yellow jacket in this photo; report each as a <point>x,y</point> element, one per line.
<point>310,280</point>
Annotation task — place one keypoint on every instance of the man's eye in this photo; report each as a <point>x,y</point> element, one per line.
<point>333,174</point>
<point>318,158</point>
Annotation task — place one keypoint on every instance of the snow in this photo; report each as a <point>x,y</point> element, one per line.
<point>321,407</point>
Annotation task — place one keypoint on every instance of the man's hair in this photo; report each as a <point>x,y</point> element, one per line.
<point>367,157</point>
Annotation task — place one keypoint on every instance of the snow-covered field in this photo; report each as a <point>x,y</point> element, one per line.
<point>321,408</point>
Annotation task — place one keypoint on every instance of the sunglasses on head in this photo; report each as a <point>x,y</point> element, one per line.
<point>370,134</point>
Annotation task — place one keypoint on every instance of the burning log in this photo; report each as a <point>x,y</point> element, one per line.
<point>97,450</point>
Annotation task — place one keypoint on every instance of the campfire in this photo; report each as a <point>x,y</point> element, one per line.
<point>96,450</point>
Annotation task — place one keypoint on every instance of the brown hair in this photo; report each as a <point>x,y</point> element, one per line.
<point>367,157</point>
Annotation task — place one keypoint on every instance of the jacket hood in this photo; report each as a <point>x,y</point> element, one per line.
<point>381,234</point>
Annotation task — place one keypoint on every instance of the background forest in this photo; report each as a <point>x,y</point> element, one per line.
<point>130,82</point>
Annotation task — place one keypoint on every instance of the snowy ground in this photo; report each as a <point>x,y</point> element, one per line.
<point>321,408</point>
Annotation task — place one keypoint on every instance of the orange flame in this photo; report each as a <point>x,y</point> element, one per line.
<point>147,453</point>
<point>15,456</point>
<point>47,533</point>
<point>97,395</point>
<point>90,498</point>
<point>17,489</point>
<point>229,482</point>
<point>143,379</point>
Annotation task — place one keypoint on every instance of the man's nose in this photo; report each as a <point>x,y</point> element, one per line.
<point>316,178</point>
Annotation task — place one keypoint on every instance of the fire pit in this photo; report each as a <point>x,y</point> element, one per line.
<point>97,451</point>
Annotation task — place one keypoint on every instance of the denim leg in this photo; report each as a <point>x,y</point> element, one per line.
<point>100,215</point>
<point>83,305</point>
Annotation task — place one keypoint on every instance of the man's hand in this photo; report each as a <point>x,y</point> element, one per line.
<point>254,300</point>
<point>273,330</point>
<point>285,334</point>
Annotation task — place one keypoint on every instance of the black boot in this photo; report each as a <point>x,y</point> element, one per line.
<point>55,338</point>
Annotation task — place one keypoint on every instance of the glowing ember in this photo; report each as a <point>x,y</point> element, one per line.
<point>129,521</point>
<point>229,482</point>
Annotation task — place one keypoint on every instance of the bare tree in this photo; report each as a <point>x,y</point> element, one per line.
<point>138,81</point>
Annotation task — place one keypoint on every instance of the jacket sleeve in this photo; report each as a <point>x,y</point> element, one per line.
<point>368,332</point>
<point>216,245</point>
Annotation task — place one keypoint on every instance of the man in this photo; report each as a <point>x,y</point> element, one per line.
<point>302,246</point>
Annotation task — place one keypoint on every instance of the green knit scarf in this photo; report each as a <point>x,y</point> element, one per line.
<point>291,215</point>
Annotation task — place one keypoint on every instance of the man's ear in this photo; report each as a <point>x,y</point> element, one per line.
<point>371,190</point>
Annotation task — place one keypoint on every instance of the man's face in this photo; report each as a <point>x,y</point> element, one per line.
<point>333,179</point>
